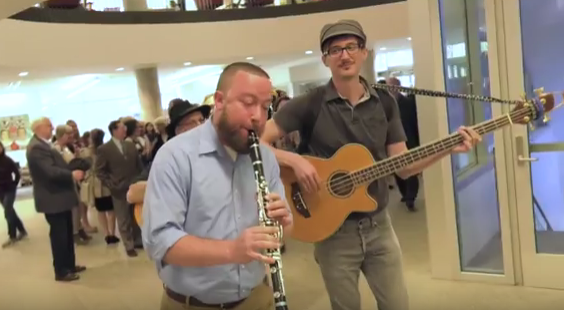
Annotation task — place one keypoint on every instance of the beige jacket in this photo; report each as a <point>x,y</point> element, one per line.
<point>91,186</point>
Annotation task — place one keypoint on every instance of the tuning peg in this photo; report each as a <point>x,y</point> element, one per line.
<point>539,91</point>
<point>531,126</point>
<point>524,97</point>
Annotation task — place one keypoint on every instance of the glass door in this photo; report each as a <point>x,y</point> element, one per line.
<point>483,241</point>
<point>539,153</point>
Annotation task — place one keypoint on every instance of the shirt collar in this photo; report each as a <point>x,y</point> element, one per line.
<point>331,92</point>
<point>209,140</point>
<point>46,141</point>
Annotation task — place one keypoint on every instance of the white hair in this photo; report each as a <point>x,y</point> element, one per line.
<point>161,121</point>
<point>38,122</point>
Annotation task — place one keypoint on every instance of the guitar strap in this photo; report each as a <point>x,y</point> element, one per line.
<point>314,106</point>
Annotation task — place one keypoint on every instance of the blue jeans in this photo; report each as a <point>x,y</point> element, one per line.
<point>14,223</point>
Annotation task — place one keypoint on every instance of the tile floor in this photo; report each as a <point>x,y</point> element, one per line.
<point>115,282</point>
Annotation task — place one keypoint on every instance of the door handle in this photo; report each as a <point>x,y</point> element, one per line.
<point>526,159</point>
<point>521,158</point>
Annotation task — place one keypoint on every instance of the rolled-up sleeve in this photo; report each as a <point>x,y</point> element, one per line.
<point>166,203</point>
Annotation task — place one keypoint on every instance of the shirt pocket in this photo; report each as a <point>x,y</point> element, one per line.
<point>376,126</point>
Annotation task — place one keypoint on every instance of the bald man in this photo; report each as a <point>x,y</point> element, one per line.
<point>55,196</point>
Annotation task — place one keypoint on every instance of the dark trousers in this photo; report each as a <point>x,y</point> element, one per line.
<point>12,219</point>
<point>62,243</point>
<point>409,188</point>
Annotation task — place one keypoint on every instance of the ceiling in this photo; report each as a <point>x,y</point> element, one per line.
<point>12,76</point>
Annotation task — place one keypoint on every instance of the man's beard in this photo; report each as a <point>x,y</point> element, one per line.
<point>230,135</point>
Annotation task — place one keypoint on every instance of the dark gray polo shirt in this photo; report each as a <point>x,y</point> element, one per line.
<point>340,123</point>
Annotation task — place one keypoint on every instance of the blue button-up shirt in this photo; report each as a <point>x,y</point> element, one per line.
<point>196,188</point>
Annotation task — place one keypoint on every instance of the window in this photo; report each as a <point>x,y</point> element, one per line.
<point>386,61</point>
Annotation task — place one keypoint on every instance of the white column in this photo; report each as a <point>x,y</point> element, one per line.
<point>149,92</point>
<point>367,71</point>
<point>135,5</point>
<point>425,30</point>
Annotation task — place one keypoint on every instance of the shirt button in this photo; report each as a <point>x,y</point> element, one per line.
<point>242,267</point>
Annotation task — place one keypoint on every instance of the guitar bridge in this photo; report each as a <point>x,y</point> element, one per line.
<point>299,202</point>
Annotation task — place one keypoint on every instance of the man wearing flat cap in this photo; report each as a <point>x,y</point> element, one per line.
<point>183,116</point>
<point>348,110</point>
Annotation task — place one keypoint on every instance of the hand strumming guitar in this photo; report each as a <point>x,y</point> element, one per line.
<point>305,172</point>
<point>136,192</point>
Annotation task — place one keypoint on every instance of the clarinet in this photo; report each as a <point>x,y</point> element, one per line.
<point>262,190</point>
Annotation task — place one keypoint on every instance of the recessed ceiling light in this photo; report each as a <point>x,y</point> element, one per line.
<point>383,48</point>
<point>409,39</point>
<point>187,63</point>
<point>250,58</point>
<point>120,69</point>
<point>23,73</point>
<point>309,52</point>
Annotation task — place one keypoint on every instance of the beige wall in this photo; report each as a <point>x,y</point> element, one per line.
<point>11,7</point>
<point>27,44</point>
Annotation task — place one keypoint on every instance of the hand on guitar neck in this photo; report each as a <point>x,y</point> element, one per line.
<point>310,181</point>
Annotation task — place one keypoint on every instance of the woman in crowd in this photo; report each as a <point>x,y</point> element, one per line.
<point>150,132</point>
<point>85,139</point>
<point>160,126</point>
<point>9,179</point>
<point>97,194</point>
<point>63,134</point>
<point>132,133</point>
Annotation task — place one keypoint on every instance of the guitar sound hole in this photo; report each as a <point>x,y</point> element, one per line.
<point>341,184</point>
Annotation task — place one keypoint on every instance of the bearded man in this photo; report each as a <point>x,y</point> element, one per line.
<point>202,228</point>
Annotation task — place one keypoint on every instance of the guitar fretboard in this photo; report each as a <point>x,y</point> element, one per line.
<point>396,163</point>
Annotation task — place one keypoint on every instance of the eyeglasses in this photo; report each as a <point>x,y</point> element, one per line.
<point>337,51</point>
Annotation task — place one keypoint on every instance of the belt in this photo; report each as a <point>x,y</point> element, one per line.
<point>191,301</point>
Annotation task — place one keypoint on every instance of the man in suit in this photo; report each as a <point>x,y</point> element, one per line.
<point>117,164</point>
<point>409,187</point>
<point>55,196</point>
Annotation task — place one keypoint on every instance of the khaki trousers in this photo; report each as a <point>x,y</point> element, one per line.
<point>260,299</point>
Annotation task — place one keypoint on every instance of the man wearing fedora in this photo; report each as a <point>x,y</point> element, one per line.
<point>183,116</point>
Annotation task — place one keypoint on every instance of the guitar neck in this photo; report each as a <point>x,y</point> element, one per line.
<point>396,163</point>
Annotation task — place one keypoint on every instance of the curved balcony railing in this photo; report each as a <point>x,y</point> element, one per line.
<point>180,11</point>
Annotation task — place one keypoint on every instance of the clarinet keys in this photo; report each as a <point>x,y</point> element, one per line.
<point>276,278</point>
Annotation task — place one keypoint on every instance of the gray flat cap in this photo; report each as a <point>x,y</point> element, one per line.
<point>342,27</point>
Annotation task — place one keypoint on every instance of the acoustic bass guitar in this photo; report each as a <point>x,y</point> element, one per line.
<point>346,175</point>
<point>138,213</point>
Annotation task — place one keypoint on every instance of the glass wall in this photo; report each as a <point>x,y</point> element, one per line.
<point>541,24</point>
<point>398,63</point>
<point>93,100</point>
<point>464,41</point>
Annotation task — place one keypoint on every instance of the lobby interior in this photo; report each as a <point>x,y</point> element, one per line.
<point>490,215</point>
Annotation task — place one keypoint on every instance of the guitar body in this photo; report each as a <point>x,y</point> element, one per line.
<point>138,213</point>
<point>317,216</point>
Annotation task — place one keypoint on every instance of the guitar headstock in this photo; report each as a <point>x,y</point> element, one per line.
<point>540,107</point>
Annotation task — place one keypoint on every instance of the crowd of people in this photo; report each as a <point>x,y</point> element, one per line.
<point>109,177</point>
